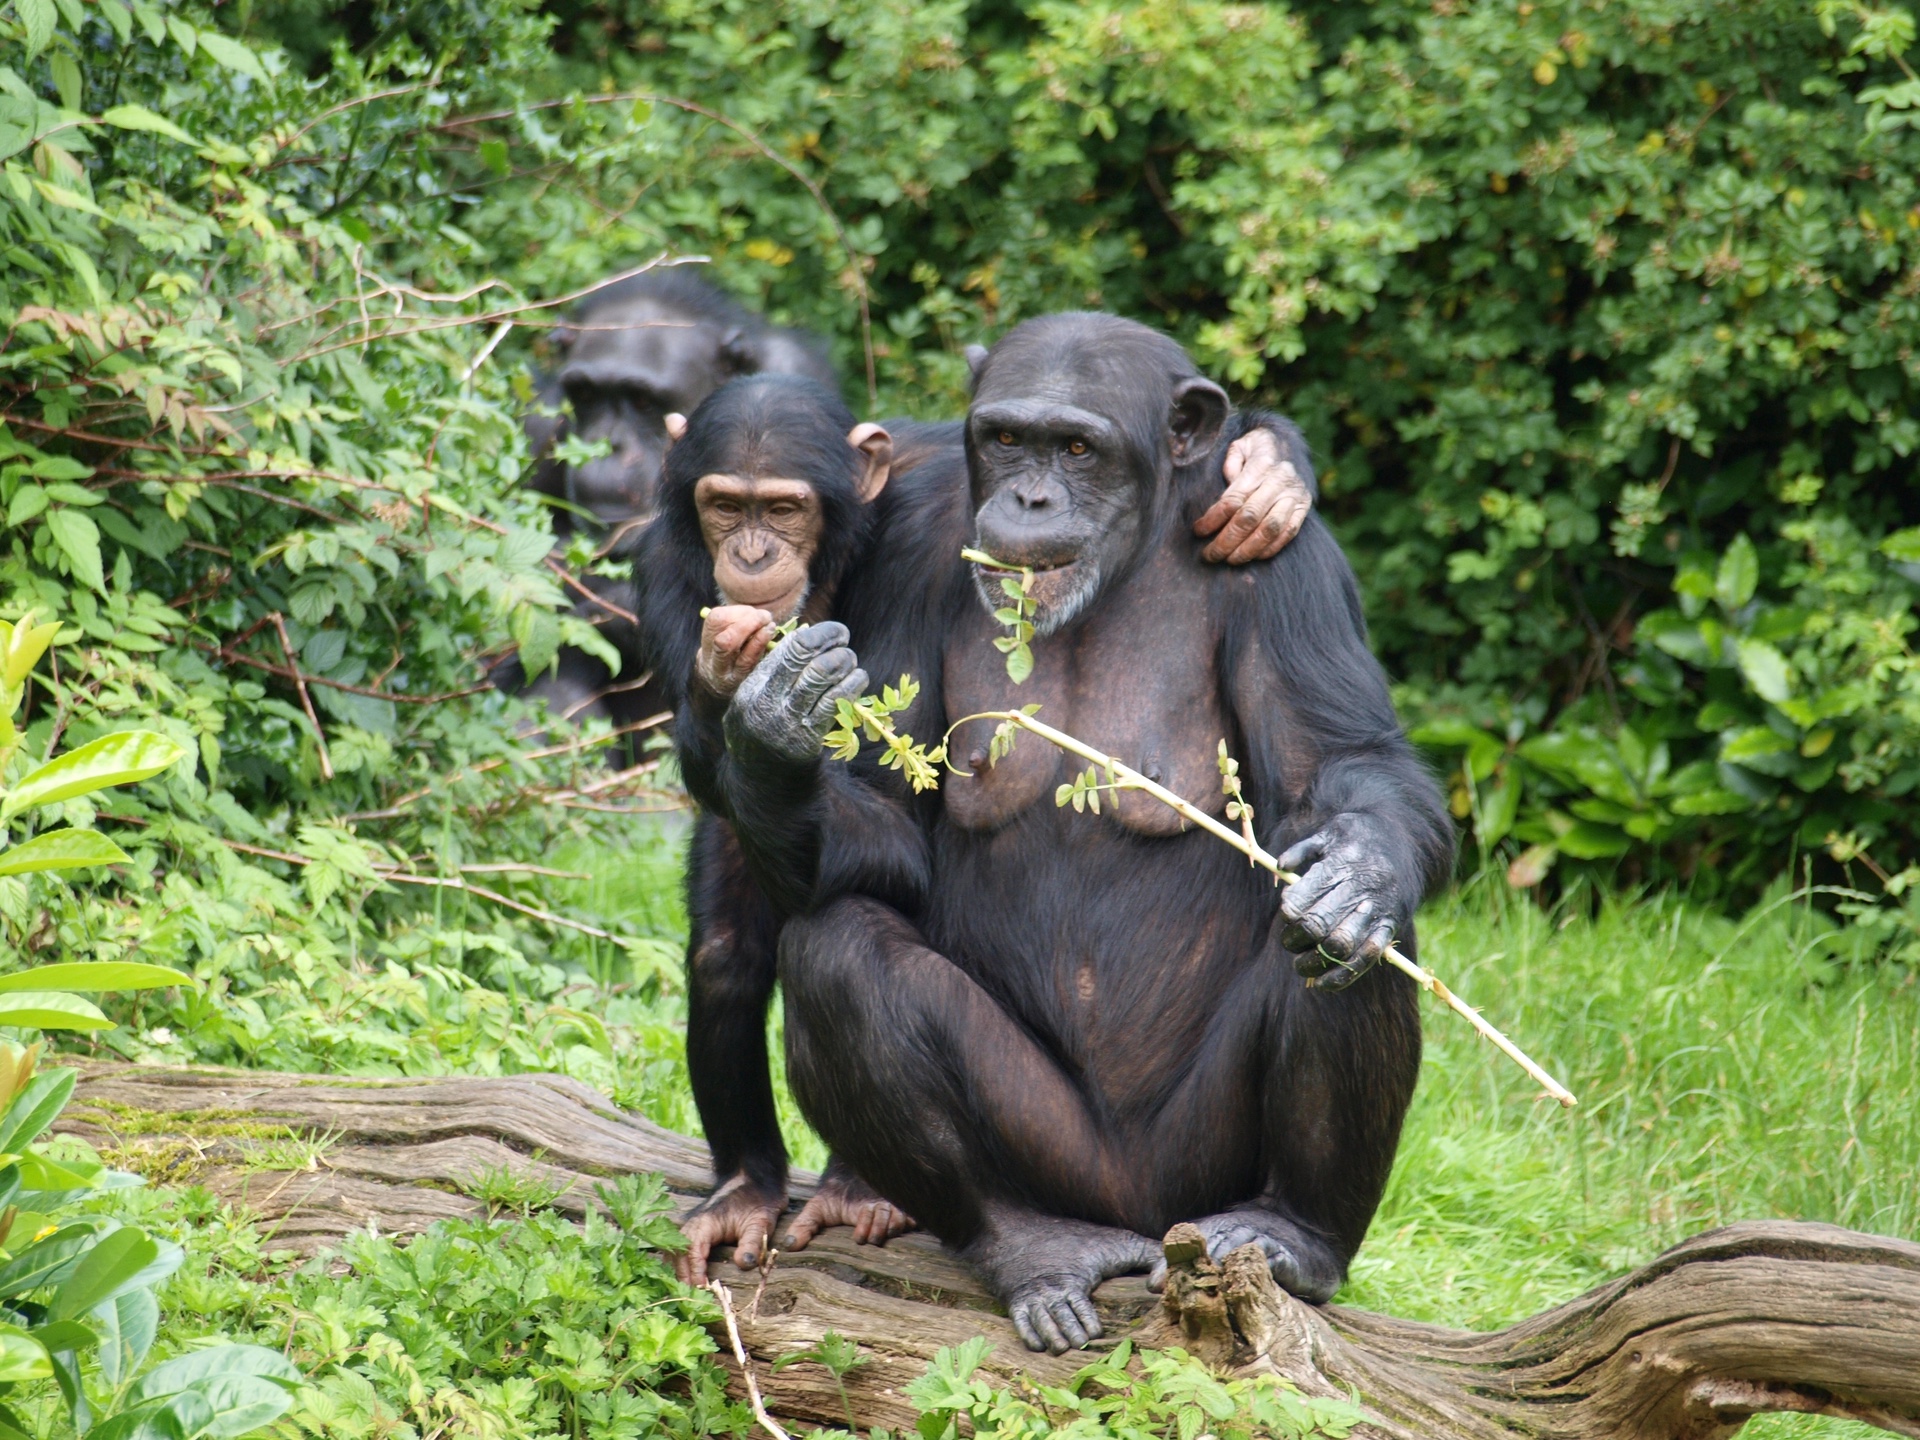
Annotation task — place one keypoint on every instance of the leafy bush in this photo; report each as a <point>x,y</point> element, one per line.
<point>1601,317</point>
<point>268,470</point>
<point>1158,1392</point>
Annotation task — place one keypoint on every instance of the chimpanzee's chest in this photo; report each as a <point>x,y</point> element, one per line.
<point>1137,679</point>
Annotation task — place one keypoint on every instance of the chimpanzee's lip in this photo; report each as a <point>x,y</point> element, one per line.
<point>1038,567</point>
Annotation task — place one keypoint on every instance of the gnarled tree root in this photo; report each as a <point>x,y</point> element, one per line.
<point>1766,1315</point>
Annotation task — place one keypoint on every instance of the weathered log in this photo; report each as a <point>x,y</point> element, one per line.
<point>1766,1315</point>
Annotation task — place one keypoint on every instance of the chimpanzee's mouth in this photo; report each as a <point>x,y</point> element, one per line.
<point>997,566</point>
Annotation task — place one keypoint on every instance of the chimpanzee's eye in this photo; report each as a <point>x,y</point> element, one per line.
<point>1076,447</point>
<point>1006,437</point>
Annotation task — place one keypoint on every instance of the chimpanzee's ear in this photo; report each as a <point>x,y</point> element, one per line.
<point>676,424</point>
<point>976,357</point>
<point>1199,413</point>
<point>876,446</point>
<point>740,352</point>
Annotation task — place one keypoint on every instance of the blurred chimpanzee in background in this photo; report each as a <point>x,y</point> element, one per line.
<point>632,354</point>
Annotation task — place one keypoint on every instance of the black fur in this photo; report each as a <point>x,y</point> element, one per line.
<point>796,428</point>
<point>931,966</point>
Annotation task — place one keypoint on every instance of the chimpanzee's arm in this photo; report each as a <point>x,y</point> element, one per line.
<point>1340,794</point>
<point>811,828</point>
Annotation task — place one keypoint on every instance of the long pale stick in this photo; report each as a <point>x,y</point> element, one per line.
<point>767,1422</point>
<point>1127,778</point>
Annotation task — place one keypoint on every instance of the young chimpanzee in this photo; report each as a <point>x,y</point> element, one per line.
<point>766,506</point>
<point>1052,1035</point>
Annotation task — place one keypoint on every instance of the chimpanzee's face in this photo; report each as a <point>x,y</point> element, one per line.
<point>1077,426</point>
<point>1059,491</point>
<point>762,532</point>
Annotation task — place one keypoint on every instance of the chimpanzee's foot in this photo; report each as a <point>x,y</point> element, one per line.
<point>845,1199</point>
<point>1044,1269</point>
<point>1303,1264</point>
<point>740,1213</point>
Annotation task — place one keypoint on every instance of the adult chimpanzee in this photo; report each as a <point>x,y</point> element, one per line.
<point>766,505</point>
<point>634,353</point>
<point>1047,1035</point>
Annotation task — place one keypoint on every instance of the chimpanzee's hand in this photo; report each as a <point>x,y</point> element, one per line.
<point>787,703</point>
<point>733,640</point>
<point>1347,904</point>
<point>1263,507</point>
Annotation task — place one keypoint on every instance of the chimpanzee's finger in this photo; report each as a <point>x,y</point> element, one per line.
<point>1072,1322</point>
<point>752,1243</point>
<point>1301,855</point>
<point>827,706</point>
<point>1040,1327</point>
<point>823,673</point>
<point>793,654</point>
<point>806,1225</point>
<point>1157,1276</point>
<point>1290,505</point>
<point>691,1265</point>
<point>1338,977</point>
<point>1306,933</point>
<point>1307,896</point>
<point>1353,927</point>
<point>1089,1317</point>
<point>1272,509</point>
<point>812,639</point>
<point>1229,1239</point>
<point>1240,469</point>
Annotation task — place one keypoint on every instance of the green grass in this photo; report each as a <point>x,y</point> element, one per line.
<point>1727,1069</point>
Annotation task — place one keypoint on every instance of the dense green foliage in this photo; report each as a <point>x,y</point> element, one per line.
<point>270,485</point>
<point>1600,315</point>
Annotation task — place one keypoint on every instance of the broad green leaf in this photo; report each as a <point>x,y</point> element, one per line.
<point>120,759</point>
<point>39,1173</point>
<point>22,1357</point>
<point>58,850</point>
<point>44,1010</point>
<point>222,1360</point>
<point>37,17</point>
<point>28,501</point>
<point>181,1416</point>
<point>35,1265</point>
<point>242,1403</point>
<point>65,71</point>
<point>72,1335</point>
<point>91,977</point>
<point>232,54</point>
<point>129,1324</point>
<point>35,1107</point>
<point>1585,840</point>
<point>1903,545</point>
<point>1766,670</point>
<point>79,538</point>
<point>1498,807</point>
<point>1739,573</point>
<point>1710,802</point>
<point>138,117</point>
<point>103,1272</point>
